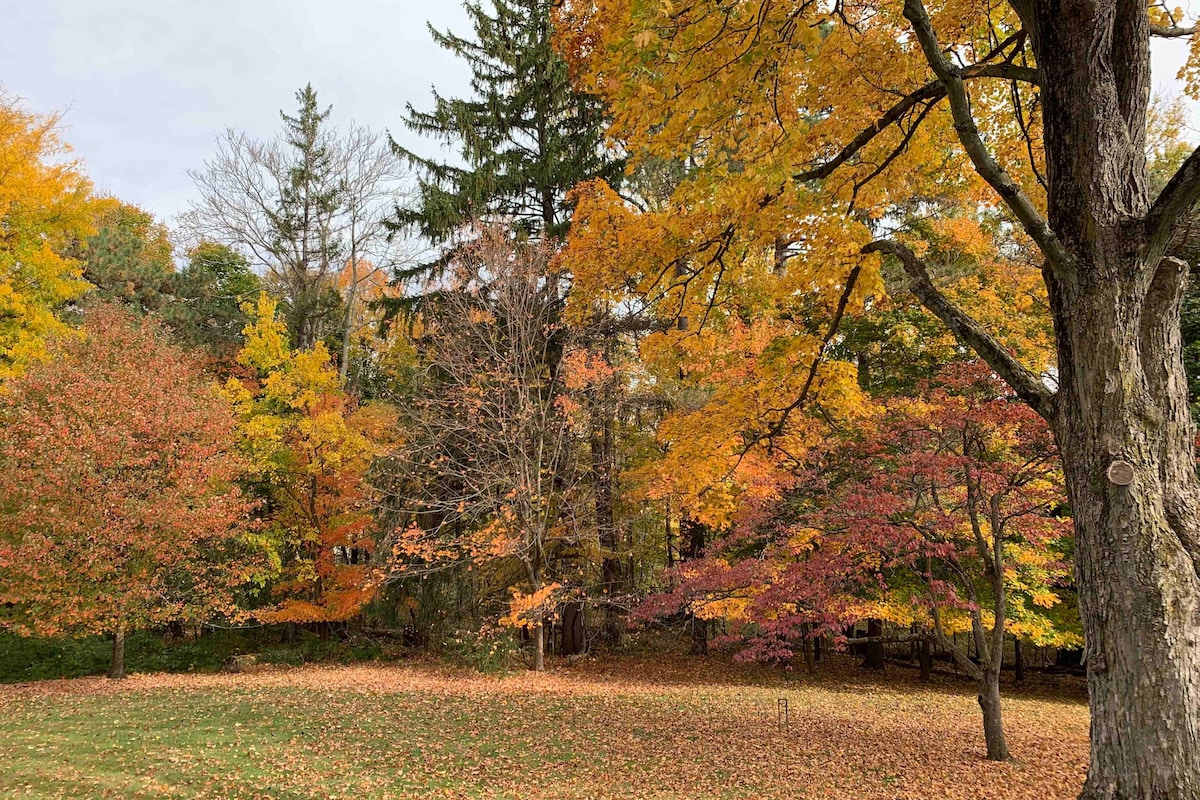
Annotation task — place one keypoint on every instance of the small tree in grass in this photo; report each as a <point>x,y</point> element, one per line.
<point>117,503</point>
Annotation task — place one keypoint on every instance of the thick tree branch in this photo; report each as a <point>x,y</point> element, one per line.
<point>1025,383</point>
<point>1172,207</point>
<point>951,77</point>
<point>1172,31</point>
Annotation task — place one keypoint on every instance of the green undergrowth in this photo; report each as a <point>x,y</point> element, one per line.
<point>32,658</point>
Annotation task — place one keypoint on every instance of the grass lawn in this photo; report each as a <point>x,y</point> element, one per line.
<point>621,728</point>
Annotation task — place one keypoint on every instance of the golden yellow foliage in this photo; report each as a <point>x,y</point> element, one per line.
<point>45,209</point>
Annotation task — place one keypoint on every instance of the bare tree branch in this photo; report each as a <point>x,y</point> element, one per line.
<point>1172,31</point>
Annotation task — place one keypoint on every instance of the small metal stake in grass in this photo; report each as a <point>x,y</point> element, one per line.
<point>781,714</point>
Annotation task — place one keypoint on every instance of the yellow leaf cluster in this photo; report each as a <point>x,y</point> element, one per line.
<point>45,210</point>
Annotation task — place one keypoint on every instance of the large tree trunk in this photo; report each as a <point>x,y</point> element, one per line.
<point>1122,400</point>
<point>116,668</point>
<point>574,642</point>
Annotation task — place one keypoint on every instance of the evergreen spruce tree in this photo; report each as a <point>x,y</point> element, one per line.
<point>307,240</point>
<point>128,259</point>
<point>525,138</point>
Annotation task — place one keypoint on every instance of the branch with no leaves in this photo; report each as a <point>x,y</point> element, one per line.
<point>1025,383</point>
<point>1172,31</point>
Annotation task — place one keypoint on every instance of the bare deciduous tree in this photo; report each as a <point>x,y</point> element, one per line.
<point>489,468</point>
<point>306,208</point>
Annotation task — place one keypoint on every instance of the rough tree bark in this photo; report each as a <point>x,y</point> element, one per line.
<point>1120,412</point>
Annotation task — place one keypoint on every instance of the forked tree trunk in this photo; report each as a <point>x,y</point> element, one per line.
<point>1122,401</point>
<point>116,668</point>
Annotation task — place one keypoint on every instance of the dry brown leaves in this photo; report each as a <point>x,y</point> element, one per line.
<point>627,728</point>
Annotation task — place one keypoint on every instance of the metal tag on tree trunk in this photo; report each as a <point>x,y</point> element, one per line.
<point>1120,472</point>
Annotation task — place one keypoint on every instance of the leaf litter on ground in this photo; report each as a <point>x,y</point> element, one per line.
<point>615,728</point>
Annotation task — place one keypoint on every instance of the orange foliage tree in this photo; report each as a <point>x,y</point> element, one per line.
<point>118,507</point>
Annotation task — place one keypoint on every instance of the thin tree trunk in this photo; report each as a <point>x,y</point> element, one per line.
<point>116,668</point>
<point>809,665</point>
<point>993,718</point>
<point>1018,661</point>
<point>873,650</point>
<point>695,537</point>
<point>672,549</point>
<point>610,566</point>
<point>699,636</point>
<point>347,330</point>
<point>926,661</point>
<point>539,647</point>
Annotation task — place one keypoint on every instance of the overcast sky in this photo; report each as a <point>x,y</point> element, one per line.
<point>150,83</point>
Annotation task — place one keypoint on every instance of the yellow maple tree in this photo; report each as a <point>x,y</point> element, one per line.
<point>45,210</point>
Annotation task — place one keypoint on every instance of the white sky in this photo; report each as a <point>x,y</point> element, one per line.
<point>150,83</point>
